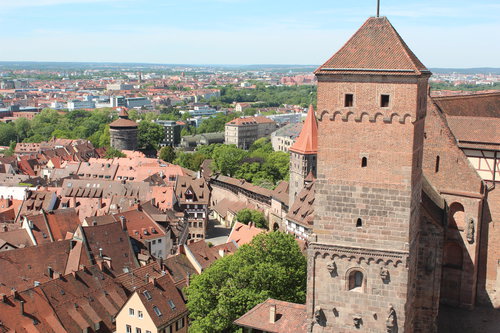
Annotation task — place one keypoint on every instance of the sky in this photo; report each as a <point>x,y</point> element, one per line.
<point>442,33</point>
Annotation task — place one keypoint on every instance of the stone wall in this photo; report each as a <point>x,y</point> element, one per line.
<point>123,138</point>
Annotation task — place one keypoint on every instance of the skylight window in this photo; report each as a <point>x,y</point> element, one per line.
<point>147,294</point>
<point>157,311</point>
<point>171,303</point>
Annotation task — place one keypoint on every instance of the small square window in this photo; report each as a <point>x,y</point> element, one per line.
<point>140,314</point>
<point>349,100</point>
<point>384,101</point>
<point>131,311</point>
<point>137,330</point>
<point>129,329</point>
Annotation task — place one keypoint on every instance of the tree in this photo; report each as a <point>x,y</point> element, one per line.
<point>227,159</point>
<point>7,134</point>
<point>251,215</point>
<point>270,266</point>
<point>150,134</point>
<point>112,152</point>
<point>167,154</point>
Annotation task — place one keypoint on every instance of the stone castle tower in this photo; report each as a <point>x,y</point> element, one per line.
<point>303,155</point>
<point>123,132</point>
<point>363,261</point>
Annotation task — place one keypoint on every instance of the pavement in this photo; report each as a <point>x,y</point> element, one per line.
<point>216,233</point>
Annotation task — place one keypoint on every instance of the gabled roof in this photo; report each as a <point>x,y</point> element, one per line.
<point>307,142</point>
<point>375,48</point>
<point>289,317</point>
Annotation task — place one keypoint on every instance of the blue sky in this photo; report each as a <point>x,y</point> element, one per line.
<point>442,33</point>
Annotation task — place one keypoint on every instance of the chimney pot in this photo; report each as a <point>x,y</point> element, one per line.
<point>13,293</point>
<point>21,307</point>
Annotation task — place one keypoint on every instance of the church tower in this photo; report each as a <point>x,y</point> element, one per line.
<point>362,263</point>
<point>303,155</point>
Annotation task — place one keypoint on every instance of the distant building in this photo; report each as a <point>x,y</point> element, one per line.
<point>138,102</point>
<point>123,132</point>
<point>172,132</point>
<point>284,138</point>
<point>190,142</point>
<point>287,117</point>
<point>78,104</point>
<point>243,131</point>
<point>119,86</point>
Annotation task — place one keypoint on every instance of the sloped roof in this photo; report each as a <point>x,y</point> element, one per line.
<point>307,142</point>
<point>302,210</point>
<point>121,122</point>
<point>476,105</point>
<point>375,48</point>
<point>290,317</point>
<point>243,234</point>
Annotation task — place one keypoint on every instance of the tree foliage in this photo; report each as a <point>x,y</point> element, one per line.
<point>167,154</point>
<point>150,135</point>
<point>251,215</point>
<point>77,124</point>
<point>270,266</point>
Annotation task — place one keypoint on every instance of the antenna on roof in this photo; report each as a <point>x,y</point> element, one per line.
<point>378,8</point>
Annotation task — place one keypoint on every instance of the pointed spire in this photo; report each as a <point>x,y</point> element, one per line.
<point>307,142</point>
<point>376,48</point>
<point>123,113</point>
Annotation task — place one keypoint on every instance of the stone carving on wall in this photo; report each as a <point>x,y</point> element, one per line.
<point>391,322</point>
<point>358,321</point>
<point>319,316</point>
<point>332,268</point>
<point>384,274</point>
<point>470,231</point>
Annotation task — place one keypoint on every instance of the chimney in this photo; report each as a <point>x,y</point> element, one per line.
<point>21,307</point>
<point>13,293</point>
<point>107,260</point>
<point>81,267</point>
<point>50,272</point>
<point>100,264</point>
<point>272,313</point>
<point>57,275</point>
<point>3,298</point>
<point>123,222</point>
<point>159,260</point>
<point>100,252</point>
<point>152,280</point>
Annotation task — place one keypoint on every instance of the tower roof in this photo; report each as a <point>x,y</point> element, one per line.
<point>376,48</point>
<point>307,142</point>
<point>123,113</point>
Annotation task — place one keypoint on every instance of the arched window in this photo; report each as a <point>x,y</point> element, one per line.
<point>359,223</point>
<point>356,280</point>
<point>456,217</point>
<point>364,162</point>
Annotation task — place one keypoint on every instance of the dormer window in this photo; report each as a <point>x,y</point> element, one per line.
<point>348,100</point>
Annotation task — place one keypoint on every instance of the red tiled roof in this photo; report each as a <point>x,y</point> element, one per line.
<point>375,48</point>
<point>165,297</point>
<point>243,234</point>
<point>307,142</point>
<point>249,121</point>
<point>476,105</point>
<point>123,123</point>
<point>290,317</point>
<point>485,130</point>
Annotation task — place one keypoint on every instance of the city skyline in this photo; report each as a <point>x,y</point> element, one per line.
<point>442,33</point>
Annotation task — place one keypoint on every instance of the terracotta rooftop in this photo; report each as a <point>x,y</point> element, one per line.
<point>307,142</point>
<point>120,122</point>
<point>478,130</point>
<point>375,48</point>
<point>162,300</point>
<point>243,234</point>
<point>476,105</point>
<point>192,190</point>
<point>288,318</point>
<point>302,210</point>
